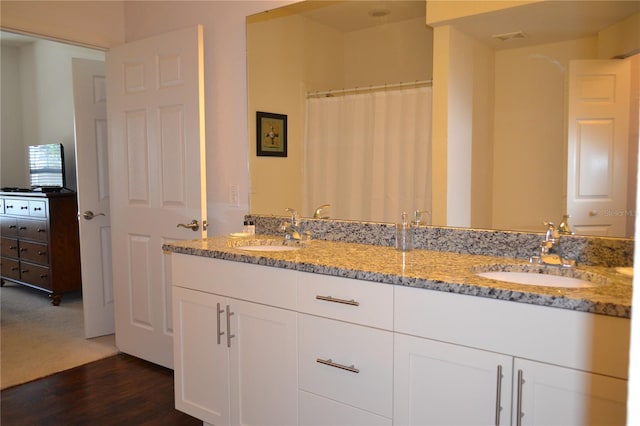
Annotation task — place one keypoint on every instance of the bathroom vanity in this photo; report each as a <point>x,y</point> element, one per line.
<point>342,333</point>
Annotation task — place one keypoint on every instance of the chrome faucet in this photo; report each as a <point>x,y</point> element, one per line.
<point>550,249</point>
<point>291,229</point>
<point>318,213</point>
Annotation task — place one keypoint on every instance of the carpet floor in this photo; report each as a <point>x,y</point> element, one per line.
<point>38,339</point>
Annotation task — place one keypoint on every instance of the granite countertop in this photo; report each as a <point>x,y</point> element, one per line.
<point>440,271</point>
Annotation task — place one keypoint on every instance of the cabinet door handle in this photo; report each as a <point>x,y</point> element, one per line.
<point>519,413</point>
<point>220,333</point>
<point>336,300</point>
<point>330,363</point>
<point>229,335</point>
<point>498,394</point>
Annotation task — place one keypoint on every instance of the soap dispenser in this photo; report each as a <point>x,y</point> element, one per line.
<point>404,234</point>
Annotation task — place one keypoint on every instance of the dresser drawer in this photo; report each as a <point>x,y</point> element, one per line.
<point>9,248</point>
<point>9,226</point>
<point>32,229</point>
<point>360,302</point>
<point>345,362</point>
<point>38,208</point>
<point>17,207</point>
<point>9,268</point>
<point>35,274</point>
<point>315,410</point>
<point>34,252</point>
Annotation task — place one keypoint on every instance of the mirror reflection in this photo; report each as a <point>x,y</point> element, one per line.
<point>503,150</point>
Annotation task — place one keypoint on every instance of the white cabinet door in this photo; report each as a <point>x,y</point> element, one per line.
<point>201,361</point>
<point>442,384</point>
<point>263,364</point>
<point>550,395</point>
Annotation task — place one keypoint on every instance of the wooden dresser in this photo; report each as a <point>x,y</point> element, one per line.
<point>40,241</point>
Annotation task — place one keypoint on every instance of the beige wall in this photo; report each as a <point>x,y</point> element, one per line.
<point>530,132</point>
<point>313,57</point>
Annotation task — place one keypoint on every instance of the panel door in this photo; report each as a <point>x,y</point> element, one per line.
<point>551,395</point>
<point>598,147</point>
<point>201,356</point>
<point>264,384</point>
<point>443,384</point>
<point>92,167</point>
<point>157,179</point>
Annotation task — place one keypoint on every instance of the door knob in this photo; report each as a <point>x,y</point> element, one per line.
<point>193,225</point>
<point>88,215</point>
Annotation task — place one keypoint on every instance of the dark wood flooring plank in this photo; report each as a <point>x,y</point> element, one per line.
<point>120,390</point>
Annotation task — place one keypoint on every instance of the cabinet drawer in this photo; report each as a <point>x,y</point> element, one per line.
<point>35,274</point>
<point>38,208</point>
<point>9,248</point>
<point>259,284</point>
<point>34,252</point>
<point>17,207</point>
<point>360,302</point>
<point>9,226</point>
<point>318,411</point>
<point>32,229</point>
<point>345,362</point>
<point>10,268</point>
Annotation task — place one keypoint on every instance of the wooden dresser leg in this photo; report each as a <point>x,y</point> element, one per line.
<point>55,298</point>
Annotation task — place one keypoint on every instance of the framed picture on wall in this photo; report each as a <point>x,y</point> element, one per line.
<point>271,131</point>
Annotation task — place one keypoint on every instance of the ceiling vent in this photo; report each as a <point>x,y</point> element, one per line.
<point>509,36</point>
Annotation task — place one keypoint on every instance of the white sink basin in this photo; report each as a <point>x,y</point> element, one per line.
<point>269,248</point>
<point>533,278</point>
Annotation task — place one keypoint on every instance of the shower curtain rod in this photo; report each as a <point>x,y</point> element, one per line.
<point>328,93</point>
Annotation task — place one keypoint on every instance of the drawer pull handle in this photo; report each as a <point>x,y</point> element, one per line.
<point>519,413</point>
<point>336,300</point>
<point>229,335</point>
<point>44,276</point>
<point>330,363</point>
<point>498,394</point>
<point>22,228</point>
<point>13,247</point>
<point>13,226</point>
<point>42,253</point>
<point>24,208</point>
<point>220,333</point>
<point>15,268</point>
<point>42,230</point>
<point>22,250</point>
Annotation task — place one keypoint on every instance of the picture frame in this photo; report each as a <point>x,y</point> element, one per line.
<point>271,132</point>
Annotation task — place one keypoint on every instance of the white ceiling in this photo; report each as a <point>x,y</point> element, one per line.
<point>541,22</point>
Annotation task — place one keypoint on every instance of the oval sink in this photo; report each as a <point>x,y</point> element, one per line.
<point>534,278</point>
<point>269,248</point>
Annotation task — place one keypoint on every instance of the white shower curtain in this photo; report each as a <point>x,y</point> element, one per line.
<point>369,155</point>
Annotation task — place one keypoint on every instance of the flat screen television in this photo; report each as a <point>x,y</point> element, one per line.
<point>46,166</point>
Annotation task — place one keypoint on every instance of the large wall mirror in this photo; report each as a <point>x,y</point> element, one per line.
<point>504,150</point>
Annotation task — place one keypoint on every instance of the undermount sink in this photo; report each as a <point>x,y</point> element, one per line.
<point>532,278</point>
<point>269,248</point>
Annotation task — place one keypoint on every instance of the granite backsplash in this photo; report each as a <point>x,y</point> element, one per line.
<point>593,251</point>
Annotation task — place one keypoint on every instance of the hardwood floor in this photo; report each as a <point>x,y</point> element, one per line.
<point>119,390</point>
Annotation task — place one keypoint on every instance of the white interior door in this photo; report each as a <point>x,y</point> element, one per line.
<point>157,174</point>
<point>598,146</point>
<point>90,116</point>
